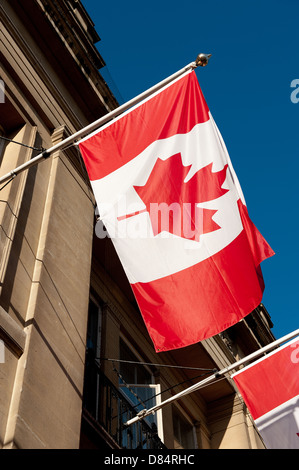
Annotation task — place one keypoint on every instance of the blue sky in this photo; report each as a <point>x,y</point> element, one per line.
<point>247,85</point>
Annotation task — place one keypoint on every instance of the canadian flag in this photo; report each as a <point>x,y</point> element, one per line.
<point>270,389</point>
<point>169,199</point>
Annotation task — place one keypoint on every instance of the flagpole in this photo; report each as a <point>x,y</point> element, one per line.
<point>201,60</point>
<point>143,413</point>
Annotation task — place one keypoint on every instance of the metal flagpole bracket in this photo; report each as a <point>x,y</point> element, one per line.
<point>141,413</point>
<point>45,154</point>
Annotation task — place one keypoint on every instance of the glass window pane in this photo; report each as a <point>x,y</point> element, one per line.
<point>183,431</point>
<point>132,373</point>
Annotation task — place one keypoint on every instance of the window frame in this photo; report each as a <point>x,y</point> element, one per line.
<point>152,385</point>
<point>181,414</point>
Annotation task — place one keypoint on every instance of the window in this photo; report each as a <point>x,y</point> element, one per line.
<point>137,383</point>
<point>183,431</point>
<point>94,328</point>
<point>93,350</point>
<point>2,143</point>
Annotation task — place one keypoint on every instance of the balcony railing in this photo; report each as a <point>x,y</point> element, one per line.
<point>109,407</point>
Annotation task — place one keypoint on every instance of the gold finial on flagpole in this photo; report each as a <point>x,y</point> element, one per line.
<point>202,59</point>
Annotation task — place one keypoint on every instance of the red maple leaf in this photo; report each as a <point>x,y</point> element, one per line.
<point>172,202</point>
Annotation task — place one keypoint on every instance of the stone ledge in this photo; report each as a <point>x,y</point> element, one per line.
<point>11,333</point>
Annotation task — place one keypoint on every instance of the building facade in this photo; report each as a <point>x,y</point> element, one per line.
<point>77,361</point>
